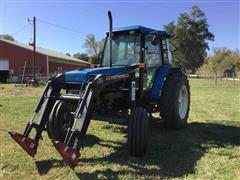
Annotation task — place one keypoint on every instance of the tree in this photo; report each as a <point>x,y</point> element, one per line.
<point>217,62</point>
<point>81,56</point>
<point>93,47</point>
<point>234,61</point>
<point>170,27</point>
<point>94,59</point>
<point>7,37</point>
<point>101,44</point>
<point>191,36</point>
<point>221,61</point>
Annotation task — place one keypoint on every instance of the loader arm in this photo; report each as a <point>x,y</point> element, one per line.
<point>45,104</point>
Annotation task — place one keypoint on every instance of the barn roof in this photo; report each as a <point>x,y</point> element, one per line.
<point>46,52</point>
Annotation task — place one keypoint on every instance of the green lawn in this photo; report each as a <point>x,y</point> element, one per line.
<point>209,148</point>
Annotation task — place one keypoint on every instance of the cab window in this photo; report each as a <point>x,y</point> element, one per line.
<point>153,59</point>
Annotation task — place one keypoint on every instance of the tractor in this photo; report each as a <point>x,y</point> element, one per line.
<point>134,79</point>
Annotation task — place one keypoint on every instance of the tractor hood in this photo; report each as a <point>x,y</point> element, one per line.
<point>79,76</point>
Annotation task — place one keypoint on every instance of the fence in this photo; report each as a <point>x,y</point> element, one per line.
<point>233,77</point>
<point>27,77</point>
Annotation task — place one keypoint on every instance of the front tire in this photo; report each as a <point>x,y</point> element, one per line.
<point>175,101</point>
<point>138,132</point>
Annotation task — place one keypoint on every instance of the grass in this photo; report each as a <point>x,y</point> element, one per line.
<point>209,148</point>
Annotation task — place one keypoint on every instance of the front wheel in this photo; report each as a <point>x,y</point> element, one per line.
<point>138,132</point>
<point>175,101</point>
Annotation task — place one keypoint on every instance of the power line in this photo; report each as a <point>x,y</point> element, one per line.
<point>63,27</point>
<point>20,30</point>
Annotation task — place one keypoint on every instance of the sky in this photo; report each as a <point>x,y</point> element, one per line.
<point>90,17</point>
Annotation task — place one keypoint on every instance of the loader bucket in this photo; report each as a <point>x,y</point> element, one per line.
<point>71,157</point>
<point>29,145</point>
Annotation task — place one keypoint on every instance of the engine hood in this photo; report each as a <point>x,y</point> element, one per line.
<point>79,76</point>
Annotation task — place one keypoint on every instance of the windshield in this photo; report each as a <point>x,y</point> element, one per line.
<point>125,50</point>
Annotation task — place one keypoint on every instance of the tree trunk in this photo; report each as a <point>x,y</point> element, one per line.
<point>216,79</point>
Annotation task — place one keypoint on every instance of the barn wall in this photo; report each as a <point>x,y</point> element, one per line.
<point>18,55</point>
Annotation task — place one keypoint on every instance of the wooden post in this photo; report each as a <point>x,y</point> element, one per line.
<point>24,68</point>
<point>233,78</point>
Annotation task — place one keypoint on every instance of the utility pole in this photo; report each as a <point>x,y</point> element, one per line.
<point>33,81</point>
<point>34,47</point>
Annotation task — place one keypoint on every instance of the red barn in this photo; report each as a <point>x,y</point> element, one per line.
<point>16,61</point>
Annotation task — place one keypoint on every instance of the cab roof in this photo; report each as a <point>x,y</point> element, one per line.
<point>143,30</point>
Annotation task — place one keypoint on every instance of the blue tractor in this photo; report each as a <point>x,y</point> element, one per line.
<point>135,78</point>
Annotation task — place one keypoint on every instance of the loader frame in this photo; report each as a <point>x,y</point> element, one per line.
<point>88,93</point>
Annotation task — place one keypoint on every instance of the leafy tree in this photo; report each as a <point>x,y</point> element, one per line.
<point>93,46</point>
<point>170,27</point>
<point>234,61</point>
<point>217,63</point>
<point>81,56</point>
<point>7,37</point>
<point>222,60</point>
<point>101,44</point>
<point>94,59</point>
<point>191,36</point>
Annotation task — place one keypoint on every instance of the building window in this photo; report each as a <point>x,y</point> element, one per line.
<point>60,70</point>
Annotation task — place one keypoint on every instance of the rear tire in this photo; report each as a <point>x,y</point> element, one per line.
<point>175,101</point>
<point>138,132</point>
<point>60,120</point>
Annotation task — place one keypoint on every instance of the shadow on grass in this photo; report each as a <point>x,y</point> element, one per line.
<point>170,153</point>
<point>44,166</point>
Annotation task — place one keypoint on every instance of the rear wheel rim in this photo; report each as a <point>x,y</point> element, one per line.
<point>183,102</point>
<point>66,122</point>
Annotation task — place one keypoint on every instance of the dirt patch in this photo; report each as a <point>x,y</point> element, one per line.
<point>16,92</point>
<point>12,92</point>
<point>19,91</point>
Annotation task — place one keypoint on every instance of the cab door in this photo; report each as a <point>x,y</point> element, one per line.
<point>153,59</point>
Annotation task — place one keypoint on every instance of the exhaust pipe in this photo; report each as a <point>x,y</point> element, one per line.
<point>110,38</point>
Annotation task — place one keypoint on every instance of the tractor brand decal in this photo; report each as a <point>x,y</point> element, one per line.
<point>117,76</point>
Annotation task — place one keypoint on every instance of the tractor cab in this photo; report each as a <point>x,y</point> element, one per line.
<point>137,44</point>
<point>133,44</point>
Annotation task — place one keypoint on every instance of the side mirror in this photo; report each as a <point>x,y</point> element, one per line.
<point>155,40</point>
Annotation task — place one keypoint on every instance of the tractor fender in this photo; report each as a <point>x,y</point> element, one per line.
<point>160,77</point>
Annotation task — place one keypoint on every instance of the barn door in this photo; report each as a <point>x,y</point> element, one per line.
<point>4,70</point>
